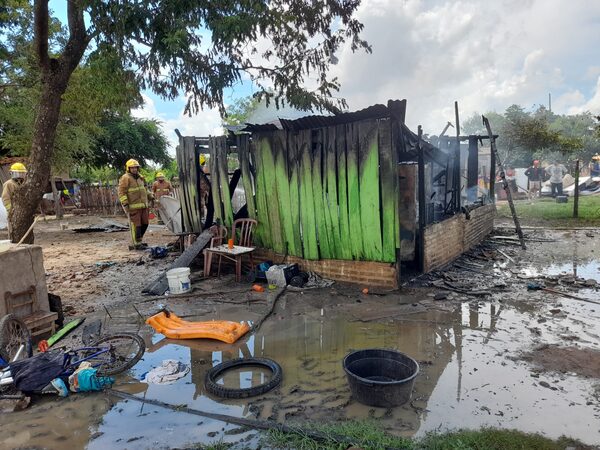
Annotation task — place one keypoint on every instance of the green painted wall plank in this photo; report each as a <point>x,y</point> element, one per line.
<point>263,229</point>
<point>224,181</point>
<point>271,194</point>
<point>317,182</point>
<point>389,194</point>
<point>279,151</point>
<point>247,179</point>
<point>369,190</point>
<point>332,195</point>
<point>214,179</point>
<point>293,168</point>
<point>353,191</point>
<point>342,192</point>
<point>307,208</point>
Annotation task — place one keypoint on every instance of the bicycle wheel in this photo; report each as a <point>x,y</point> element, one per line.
<point>13,334</point>
<point>125,350</point>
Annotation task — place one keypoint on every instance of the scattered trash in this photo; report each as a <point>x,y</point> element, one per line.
<point>86,379</point>
<point>280,275</point>
<point>158,252</point>
<point>365,291</point>
<point>168,372</point>
<point>314,281</point>
<point>105,264</point>
<point>215,373</point>
<point>258,288</point>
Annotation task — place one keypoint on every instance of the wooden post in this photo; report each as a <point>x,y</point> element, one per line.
<point>492,183</point>
<point>576,199</point>
<point>421,197</point>
<point>457,174</point>
<point>505,183</point>
<point>58,210</point>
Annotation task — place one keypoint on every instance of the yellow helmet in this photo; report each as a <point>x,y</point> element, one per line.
<point>18,167</point>
<point>202,160</point>
<point>132,163</point>
<point>160,175</point>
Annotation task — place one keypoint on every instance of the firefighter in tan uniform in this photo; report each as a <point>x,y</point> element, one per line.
<point>135,200</point>
<point>18,171</point>
<point>161,186</point>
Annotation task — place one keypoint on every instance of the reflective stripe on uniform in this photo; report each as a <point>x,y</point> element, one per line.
<point>123,199</point>
<point>135,189</point>
<point>138,206</point>
<point>7,206</point>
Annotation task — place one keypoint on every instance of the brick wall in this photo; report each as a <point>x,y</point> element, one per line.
<point>367,273</point>
<point>445,241</point>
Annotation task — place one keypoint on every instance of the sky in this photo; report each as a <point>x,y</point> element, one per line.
<point>485,55</point>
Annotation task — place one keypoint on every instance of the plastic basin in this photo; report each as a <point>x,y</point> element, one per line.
<point>380,377</point>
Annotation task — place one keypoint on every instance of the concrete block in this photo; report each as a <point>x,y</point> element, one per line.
<point>20,268</point>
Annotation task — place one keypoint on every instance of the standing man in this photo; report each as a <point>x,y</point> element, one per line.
<point>134,199</point>
<point>557,172</point>
<point>536,175</point>
<point>18,171</point>
<point>161,186</point>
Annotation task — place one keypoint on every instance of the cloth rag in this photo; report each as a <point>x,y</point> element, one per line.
<point>86,379</point>
<point>315,281</point>
<point>169,371</point>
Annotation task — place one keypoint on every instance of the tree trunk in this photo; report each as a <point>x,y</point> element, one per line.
<point>27,197</point>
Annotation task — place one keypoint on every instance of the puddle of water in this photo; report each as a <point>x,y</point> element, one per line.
<point>467,378</point>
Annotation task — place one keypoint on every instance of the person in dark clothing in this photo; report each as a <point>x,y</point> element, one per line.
<point>535,175</point>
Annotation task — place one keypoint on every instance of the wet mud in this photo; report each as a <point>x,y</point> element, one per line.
<point>510,359</point>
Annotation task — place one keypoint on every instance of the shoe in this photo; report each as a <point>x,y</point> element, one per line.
<point>136,247</point>
<point>60,386</point>
<point>143,245</point>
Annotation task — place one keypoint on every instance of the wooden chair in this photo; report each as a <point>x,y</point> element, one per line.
<point>214,242</point>
<point>24,306</point>
<point>242,232</point>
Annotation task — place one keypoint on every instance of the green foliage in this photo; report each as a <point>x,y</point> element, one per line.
<point>102,175</point>
<point>548,211</point>
<point>238,112</point>
<point>122,137</point>
<point>98,85</point>
<point>493,439</point>
<point>541,134</point>
<point>368,435</point>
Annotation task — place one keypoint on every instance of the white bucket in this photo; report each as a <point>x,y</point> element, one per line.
<point>179,280</point>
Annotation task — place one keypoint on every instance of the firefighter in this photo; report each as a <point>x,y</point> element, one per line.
<point>134,197</point>
<point>17,176</point>
<point>161,186</point>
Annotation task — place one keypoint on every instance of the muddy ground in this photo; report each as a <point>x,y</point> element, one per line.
<point>491,352</point>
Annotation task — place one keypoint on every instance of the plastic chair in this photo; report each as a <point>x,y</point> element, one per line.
<point>242,232</point>
<point>214,242</point>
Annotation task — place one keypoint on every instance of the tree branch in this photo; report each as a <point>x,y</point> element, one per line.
<point>78,39</point>
<point>41,18</point>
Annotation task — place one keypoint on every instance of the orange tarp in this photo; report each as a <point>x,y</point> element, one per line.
<point>176,328</point>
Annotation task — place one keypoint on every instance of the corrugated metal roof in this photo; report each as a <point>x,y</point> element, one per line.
<point>313,122</point>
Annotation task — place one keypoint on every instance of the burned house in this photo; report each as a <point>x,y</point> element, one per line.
<point>355,196</point>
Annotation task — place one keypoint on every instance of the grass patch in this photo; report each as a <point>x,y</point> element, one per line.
<point>369,436</point>
<point>546,209</point>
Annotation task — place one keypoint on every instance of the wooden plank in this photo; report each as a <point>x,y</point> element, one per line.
<point>262,235</point>
<point>388,178</point>
<point>331,199</point>
<point>282,183</point>
<point>369,190</point>
<point>267,162</point>
<point>307,207</point>
<point>243,145</point>
<point>317,182</point>
<point>214,180</point>
<point>345,242</point>
<point>353,191</point>
<point>293,167</point>
<point>224,181</point>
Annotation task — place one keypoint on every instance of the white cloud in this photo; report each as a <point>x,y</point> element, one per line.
<point>207,122</point>
<point>486,55</point>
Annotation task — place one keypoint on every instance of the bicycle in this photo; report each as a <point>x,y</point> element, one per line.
<point>110,355</point>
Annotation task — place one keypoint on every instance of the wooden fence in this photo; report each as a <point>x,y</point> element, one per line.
<point>100,199</point>
<point>326,193</point>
